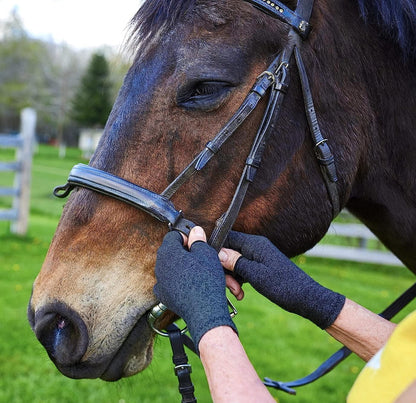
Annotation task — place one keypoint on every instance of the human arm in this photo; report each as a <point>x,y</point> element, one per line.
<point>279,279</point>
<point>361,330</point>
<point>409,395</point>
<point>190,282</point>
<point>230,374</point>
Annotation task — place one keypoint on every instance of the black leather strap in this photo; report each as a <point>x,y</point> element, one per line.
<point>322,151</point>
<point>258,90</point>
<point>277,92</point>
<point>328,365</point>
<point>110,185</point>
<point>283,13</point>
<point>182,367</point>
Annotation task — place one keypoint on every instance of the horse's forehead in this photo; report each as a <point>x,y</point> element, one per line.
<point>205,23</point>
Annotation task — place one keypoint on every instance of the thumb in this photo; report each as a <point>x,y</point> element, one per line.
<point>196,234</point>
<point>228,258</point>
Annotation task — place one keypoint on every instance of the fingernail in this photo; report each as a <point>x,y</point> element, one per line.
<point>222,256</point>
<point>198,231</point>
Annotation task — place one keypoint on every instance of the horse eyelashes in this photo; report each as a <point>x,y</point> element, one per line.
<point>202,94</point>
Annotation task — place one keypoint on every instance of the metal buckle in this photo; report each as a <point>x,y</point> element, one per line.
<point>182,367</point>
<point>267,73</point>
<point>323,141</point>
<point>234,311</point>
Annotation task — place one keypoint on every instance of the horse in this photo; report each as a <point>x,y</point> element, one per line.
<point>195,62</point>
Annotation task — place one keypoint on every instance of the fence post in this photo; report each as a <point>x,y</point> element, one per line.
<point>23,177</point>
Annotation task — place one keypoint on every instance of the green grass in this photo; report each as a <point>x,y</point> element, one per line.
<point>281,346</point>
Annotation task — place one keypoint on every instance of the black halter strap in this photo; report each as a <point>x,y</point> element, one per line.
<point>298,20</point>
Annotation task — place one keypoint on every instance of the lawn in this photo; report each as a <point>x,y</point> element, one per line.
<point>282,346</point>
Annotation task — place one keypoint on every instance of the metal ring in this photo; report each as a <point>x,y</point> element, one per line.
<point>159,309</point>
<point>269,74</point>
<point>155,313</point>
<point>234,311</point>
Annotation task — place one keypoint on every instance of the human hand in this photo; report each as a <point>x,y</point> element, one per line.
<point>191,282</point>
<point>270,272</point>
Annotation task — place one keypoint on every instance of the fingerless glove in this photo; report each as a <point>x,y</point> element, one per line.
<point>275,276</point>
<point>192,284</point>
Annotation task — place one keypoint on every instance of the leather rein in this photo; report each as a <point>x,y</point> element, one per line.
<point>275,81</point>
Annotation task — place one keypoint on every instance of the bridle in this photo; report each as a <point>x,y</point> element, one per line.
<point>275,81</point>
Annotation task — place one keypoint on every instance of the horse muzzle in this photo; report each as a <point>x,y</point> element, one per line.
<point>64,335</point>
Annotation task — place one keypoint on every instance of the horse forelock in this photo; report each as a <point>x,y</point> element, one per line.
<point>397,18</point>
<point>157,16</point>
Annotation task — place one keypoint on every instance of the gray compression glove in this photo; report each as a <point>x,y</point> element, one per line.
<point>192,284</point>
<point>272,274</point>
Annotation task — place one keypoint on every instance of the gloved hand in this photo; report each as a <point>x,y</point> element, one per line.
<point>275,276</point>
<point>191,283</point>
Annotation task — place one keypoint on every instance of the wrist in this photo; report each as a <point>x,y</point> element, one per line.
<point>200,327</point>
<point>218,337</point>
<point>324,307</point>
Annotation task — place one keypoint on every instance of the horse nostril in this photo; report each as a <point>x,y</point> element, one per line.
<point>61,322</point>
<point>62,332</point>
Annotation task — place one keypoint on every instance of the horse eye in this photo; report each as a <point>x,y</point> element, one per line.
<point>203,95</point>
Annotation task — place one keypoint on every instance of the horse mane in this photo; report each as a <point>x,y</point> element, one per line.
<point>397,18</point>
<point>155,16</point>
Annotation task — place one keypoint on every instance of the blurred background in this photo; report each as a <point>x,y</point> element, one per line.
<point>46,48</point>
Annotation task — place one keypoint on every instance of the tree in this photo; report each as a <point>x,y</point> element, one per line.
<point>39,74</point>
<point>23,72</point>
<point>92,102</point>
<point>46,75</point>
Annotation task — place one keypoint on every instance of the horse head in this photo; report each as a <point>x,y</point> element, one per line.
<point>196,61</point>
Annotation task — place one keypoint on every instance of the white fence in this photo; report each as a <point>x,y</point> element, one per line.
<point>22,166</point>
<point>357,234</point>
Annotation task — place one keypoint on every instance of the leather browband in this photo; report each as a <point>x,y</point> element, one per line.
<point>105,183</point>
<point>280,11</point>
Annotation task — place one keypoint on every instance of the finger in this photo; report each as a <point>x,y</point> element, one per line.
<point>174,238</point>
<point>196,234</point>
<point>234,286</point>
<point>228,258</point>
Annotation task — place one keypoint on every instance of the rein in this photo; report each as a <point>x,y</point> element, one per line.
<point>275,81</point>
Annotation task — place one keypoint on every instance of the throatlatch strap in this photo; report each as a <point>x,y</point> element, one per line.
<point>321,148</point>
<point>182,368</point>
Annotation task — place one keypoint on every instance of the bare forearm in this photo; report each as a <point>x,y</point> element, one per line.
<point>361,330</point>
<point>231,377</point>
